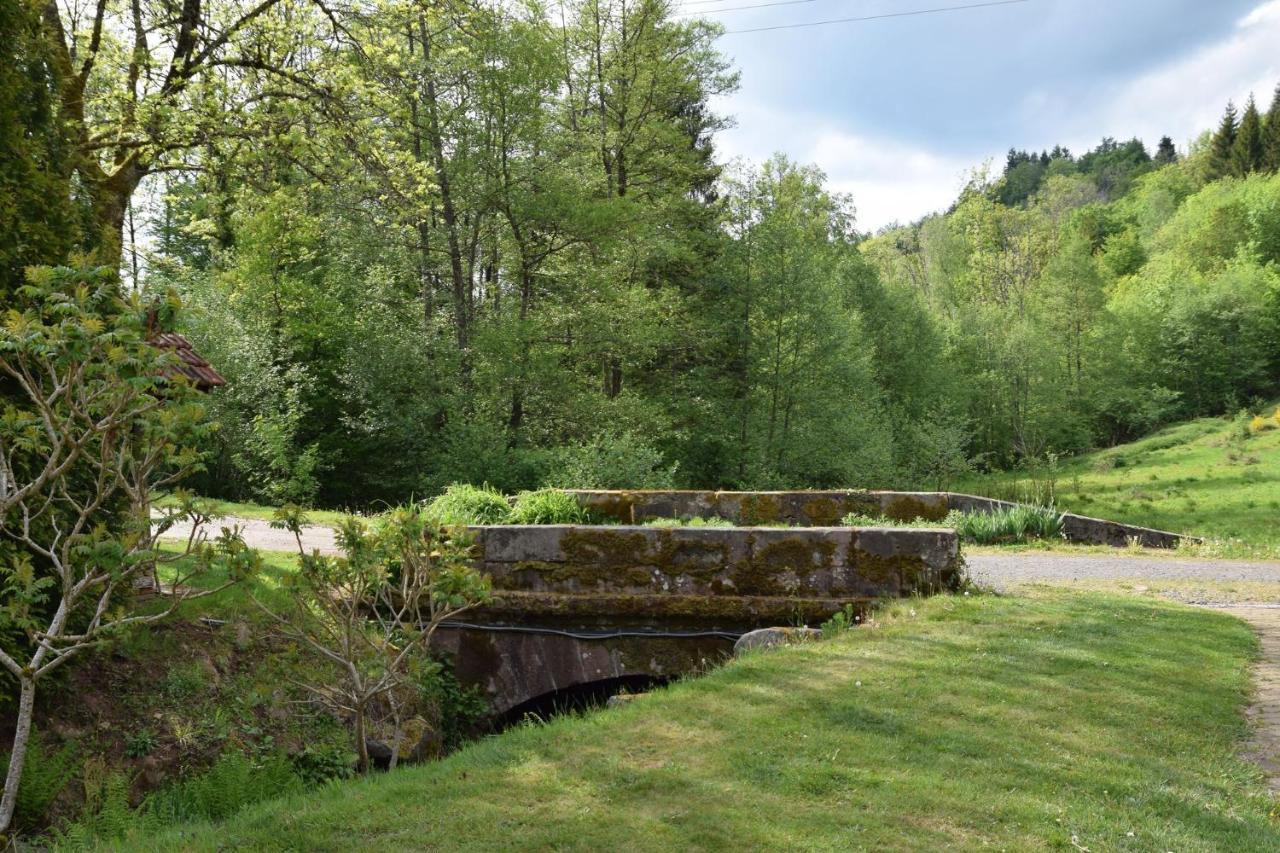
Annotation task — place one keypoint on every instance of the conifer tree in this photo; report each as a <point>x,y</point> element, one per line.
<point>1246,151</point>
<point>1271,135</point>
<point>1166,153</point>
<point>1221,146</point>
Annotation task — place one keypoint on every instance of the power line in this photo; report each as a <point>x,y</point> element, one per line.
<point>740,8</point>
<point>874,17</point>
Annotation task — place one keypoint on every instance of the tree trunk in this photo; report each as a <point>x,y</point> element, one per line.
<point>18,755</point>
<point>362,745</point>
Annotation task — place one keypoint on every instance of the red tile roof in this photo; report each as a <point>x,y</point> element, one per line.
<point>190,363</point>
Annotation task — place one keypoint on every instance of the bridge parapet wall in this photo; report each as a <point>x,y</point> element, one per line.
<point>826,508</point>
<point>708,575</point>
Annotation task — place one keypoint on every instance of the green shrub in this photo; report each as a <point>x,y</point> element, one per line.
<point>547,506</point>
<point>319,763</point>
<point>465,504</point>
<point>622,460</point>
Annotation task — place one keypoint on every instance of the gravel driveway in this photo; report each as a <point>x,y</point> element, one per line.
<point>1004,570</point>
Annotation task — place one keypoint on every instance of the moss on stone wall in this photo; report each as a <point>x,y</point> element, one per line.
<point>756,508</point>
<point>908,508</point>
<point>822,512</point>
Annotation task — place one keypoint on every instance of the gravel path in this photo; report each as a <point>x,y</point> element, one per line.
<point>1005,570</point>
<point>260,534</point>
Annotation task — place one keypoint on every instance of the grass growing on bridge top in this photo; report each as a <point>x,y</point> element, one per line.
<point>1023,723</point>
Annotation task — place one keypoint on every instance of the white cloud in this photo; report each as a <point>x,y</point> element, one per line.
<point>888,180</point>
<point>891,180</point>
<point>1182,98</point>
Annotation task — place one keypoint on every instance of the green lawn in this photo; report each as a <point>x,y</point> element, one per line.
<point>1035,723</point>
<point>1199,477</point>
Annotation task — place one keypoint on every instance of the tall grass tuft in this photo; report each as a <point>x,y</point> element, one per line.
<point>1013,524</point>
<point>547,506</point>
<point>466,504</point>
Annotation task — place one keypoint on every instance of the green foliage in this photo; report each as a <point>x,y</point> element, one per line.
<point>1012,524</point>
<point>183,681</point>
<point>547,506</point>
<point>1247,150</point>
<point>455,710</point>
<point>38,221</point>
<point>369,613</point>
<point>697,521</point>
<point>46,775</point>
<point>233,782</point>
<point>1221,160</point>
<point>106,816</point>
<point>465,504</point>
<point>846,619</point>
<point>611,460</point>
<point>857,519</point>
<point>140,743</point>
<point>1019,523</point>
<point>316,765</point>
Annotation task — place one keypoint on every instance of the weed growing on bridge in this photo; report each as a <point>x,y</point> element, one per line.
<point>1017,524</point>
<point>713,521</point>
<point>462,503</point>
<point>547,506</point>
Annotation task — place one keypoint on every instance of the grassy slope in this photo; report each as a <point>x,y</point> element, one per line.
<point>1191,478</point>
<point>1023,723</point>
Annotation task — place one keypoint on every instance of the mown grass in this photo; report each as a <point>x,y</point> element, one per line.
<point>1203,477</point>
<point>1022,723</point>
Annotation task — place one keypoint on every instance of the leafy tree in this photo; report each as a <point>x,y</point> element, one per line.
<point>99,420</point>
<point>1247,150</point>
<point>143,84</point>
<point>1221,162</point>
<point>1166,153</point>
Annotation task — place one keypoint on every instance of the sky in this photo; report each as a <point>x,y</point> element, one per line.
<point>898,111</point>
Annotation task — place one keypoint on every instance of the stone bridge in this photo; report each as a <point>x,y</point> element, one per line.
<point>582,608</point>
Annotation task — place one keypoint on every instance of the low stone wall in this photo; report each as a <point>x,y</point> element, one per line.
<point>826,508</point>
<point>704,575</point>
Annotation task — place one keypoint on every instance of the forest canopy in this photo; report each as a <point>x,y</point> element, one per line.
<point>439,242</point>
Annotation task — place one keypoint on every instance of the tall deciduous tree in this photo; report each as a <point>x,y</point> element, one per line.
<point>144,84</point>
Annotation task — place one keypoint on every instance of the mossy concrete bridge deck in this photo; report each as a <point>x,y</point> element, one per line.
<point>577,605</point>
<point>823,508</point>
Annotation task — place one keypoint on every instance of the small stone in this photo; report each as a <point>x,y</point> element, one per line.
<point>619,700</point>
<point>767,638</point>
